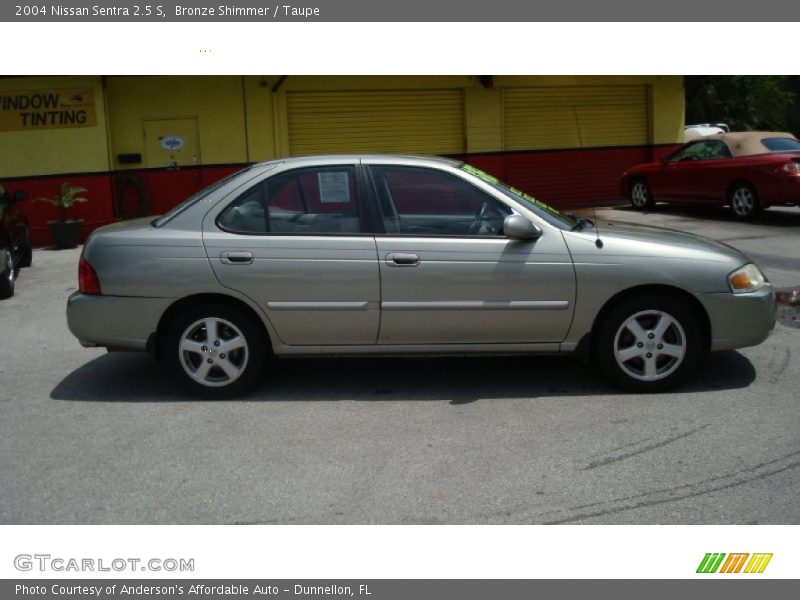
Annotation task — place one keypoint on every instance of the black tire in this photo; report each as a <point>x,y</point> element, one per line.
<point>25,251</point>
<point>250,360</point>
<point>640,195</point>
<point>744,202</point>
<point>7,275</point>
<point>651,368</point>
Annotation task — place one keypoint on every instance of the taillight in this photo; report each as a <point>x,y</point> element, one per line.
<point>792,168</point>
<point>88,283</point>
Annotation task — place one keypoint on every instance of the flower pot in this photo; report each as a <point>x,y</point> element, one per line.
<point>66,233</point>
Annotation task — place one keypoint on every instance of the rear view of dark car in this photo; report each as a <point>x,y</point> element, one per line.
<point>15,241</point>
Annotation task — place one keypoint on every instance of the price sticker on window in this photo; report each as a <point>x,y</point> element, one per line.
<point>334,187</point>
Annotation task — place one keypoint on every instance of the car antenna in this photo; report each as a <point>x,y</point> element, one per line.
<point>597,242</point>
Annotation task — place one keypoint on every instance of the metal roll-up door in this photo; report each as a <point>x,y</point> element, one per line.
<point>411,121</point>
<point>545,117</point>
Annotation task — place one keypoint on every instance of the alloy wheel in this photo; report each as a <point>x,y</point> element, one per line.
<point>650,345</point>
<point>213,352</point>
<point>743,201</point>
<point>639,195</point>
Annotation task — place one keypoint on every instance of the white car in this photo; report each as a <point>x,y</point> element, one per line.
<point>692,132</point>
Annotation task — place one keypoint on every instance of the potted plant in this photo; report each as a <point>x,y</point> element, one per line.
<point>66,232</point>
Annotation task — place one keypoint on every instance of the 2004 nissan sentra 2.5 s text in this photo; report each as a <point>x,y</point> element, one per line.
<point>406,255</point>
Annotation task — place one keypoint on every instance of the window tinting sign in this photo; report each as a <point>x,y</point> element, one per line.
<point>334,187</point>
<point>47,109</point>
<point>171,142</point>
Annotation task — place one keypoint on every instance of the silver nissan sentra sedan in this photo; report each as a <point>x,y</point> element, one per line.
<point>404,255</point>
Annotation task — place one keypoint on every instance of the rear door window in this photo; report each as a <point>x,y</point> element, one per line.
<point>314,201</point>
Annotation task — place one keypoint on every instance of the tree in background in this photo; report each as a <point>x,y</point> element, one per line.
<point>745,102</point>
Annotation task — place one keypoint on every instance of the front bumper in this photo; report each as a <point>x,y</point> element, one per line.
<point>740,320</point>
<point>119,322</point>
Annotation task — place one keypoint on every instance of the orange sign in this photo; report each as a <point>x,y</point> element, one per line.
<point>47,109</point>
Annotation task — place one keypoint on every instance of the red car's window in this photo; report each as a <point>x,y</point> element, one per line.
<point>781,144</point>
<point>703,150</point>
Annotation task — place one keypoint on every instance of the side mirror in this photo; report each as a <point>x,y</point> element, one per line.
<point>20,195</point>
<point>665,159</point>
<point>517,227</point>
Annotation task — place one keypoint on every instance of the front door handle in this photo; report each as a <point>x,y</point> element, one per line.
<point>402,259</point>
<point>236,258</point>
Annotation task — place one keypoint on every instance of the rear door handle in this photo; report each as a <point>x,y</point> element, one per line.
<point>402,259</point>
<point>236,258</point>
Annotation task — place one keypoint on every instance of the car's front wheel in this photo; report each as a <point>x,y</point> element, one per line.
<point>648,343</point>
<point>218,351</point>
<point>640,196</point>
<point>744,202</point>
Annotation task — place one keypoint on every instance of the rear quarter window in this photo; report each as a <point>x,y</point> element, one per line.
<point>781,144</point>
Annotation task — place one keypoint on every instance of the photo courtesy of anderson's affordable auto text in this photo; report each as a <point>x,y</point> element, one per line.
<point>530,332</point>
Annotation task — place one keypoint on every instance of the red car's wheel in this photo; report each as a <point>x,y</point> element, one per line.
<point>744,201</point>
<point>640,196</point>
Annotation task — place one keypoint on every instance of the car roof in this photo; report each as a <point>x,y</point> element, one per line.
<point>321,159</point>
<point>747,143</point>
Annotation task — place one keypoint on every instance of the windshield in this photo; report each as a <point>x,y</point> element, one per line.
<point>547,212</point>
<point>191,200</point>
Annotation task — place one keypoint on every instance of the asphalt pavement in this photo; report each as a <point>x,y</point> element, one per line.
<point>93,437</point>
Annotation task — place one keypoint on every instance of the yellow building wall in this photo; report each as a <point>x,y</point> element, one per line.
<point>52,151</point>
<point>668,109</point>
<point>217,102</point>
<point>244,119</point>
<point>276,88</point>
<point>666,97</point>
<point>260,106</point>
<point>483,108</point>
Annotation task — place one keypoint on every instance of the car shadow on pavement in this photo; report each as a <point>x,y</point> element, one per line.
<point>133,377</point>
<point>772,217</point>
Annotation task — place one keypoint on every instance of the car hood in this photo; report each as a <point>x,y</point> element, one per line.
<point>647,240</point>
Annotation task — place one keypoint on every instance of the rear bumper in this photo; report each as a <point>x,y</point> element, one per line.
<point>118,322</point>
<point>740,320</point>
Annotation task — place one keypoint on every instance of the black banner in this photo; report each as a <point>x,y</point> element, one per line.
<point>406,11</point>
<point>395,589</point>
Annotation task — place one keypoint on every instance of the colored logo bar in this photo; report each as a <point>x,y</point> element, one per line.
<point>713,562</point>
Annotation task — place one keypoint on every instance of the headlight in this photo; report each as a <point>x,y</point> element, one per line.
<point>746,279</point>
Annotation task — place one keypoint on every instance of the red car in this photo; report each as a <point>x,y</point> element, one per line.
<point>749,171</point>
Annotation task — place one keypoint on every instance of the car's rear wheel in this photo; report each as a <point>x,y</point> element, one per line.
<point>744,201</point>
<point>218,351</point>
<point>648,343</point>
<point>640,196</point>
<point>7,275</point>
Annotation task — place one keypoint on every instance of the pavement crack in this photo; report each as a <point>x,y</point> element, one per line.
<point>628,445</point>
<point>778,373</point>
<point>677,493</point>
<point>612,459</point>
